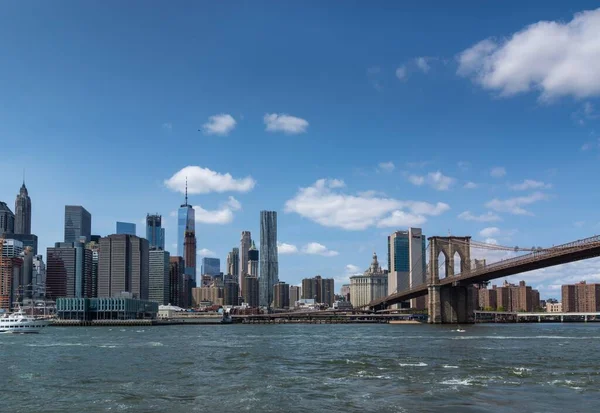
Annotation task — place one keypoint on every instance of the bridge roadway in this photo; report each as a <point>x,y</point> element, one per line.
<point>562,254</point>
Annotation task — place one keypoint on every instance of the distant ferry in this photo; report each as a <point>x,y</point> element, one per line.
<point>20,322</point>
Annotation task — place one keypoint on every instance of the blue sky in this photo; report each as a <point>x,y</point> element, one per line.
<point>350,120</point>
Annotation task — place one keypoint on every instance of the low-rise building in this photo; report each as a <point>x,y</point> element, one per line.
<point>108,308</point>
<point>553,307</point>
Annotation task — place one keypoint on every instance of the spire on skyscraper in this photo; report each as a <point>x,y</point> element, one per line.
<point>186,190</point>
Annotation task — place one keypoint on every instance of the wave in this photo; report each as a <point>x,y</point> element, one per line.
<point>524,338</point>
<point>450,367</point>
<point>420,364</point>
<point>455,382</point>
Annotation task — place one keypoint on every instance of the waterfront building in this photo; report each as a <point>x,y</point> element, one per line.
<point>320,289</point>
<point>7,219</point>
<point>212,293</point>
<point>39,276</point>
<point>269,262</point>
<point>553,307</point>
<point>345,291</point>
<point>250,291</point>
<point>78,224</point>
<point>11,248</point>
<point>406,262</point>
<point>95,248</point>
<point>281,293</point>
<point>114,308</point>
<point>231,290</point>
<point>369,286</point>
<point>126,228</point>
<point>123,266</point>
<point>68,270</point>
<point>26,287</point>
<point>233,261</point>
<point>294,294</point>
<point>159,276</point>
<point>10,270</point>
<point>581,298</point>
<point>186,292</point>
<point>176,272</point>
<point>509,297</point>
<point>210,266</point>
<point>252,265</point>
<point>245,243</point>
<point>23,212</point>
<point>155,233</point>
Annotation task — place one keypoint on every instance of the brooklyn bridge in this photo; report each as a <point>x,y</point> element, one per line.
<point>452,299</point>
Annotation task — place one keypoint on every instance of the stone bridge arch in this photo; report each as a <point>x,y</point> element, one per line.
<point>449,246</point>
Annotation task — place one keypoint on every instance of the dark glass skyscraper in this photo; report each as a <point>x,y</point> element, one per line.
<point>78,223</point>
<point>269,263</point>
<point>155,233</point>
<point>23,212</point>
<point>211,266</point>
<point>126,228</point>
<point>7,219</point>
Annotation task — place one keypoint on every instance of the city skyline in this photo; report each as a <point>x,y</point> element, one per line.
<point>446,151</point>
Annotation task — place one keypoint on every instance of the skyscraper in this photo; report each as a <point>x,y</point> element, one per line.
<point>176,281</point>
<point>231,290</point>
<point>211,266</point>
<point>294,295</point>
<point>281,295</point>
<point>159,280</point>
<point>189,252</point>
<point>269,266</point>
<point>233,262</point>
<point>155,232</point>
<point>69,270</point>
<point>251,290</point>
<point>7,219</point>
<point>123,263</point>
<point>245,241</point>
<point>78,223</point>
<point>252,264</point>
<point>126,228</point>
<point>23,212</point>
<point>95,248</point>
<point>186,238</point>
<point>318,288</point>
<point>406,260</point>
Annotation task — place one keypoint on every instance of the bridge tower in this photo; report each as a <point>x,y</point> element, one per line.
<point>451,303</point>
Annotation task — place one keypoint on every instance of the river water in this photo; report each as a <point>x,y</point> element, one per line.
<point>303,368</point>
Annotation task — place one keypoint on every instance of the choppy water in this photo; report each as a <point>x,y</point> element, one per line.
<point>303,368</point>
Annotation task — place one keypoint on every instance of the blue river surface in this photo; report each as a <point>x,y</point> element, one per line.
<point>303,368</point>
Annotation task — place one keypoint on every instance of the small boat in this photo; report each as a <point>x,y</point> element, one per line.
<point>21,323</point>
<point>459,330</point>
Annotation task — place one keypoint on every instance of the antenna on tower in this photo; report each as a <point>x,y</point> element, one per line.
<point>186,190</point>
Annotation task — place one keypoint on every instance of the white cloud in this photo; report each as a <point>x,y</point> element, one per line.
<point>203,181</point>
<point>488,217</point>
<point>556,58</point>
<point>352,269</point>
<point>402,219</point>
<point>205,252</point>
<point>387,166</point>
<point>283,248</point>
<point>312,248</point>
<point>489,232</point>
<point>167,126</point>
<point>416,180</point>
<point>321,204</point>
<point>315,248</point>
<point>401,72</point>
<point>220,125</point>
<point>529,184</point>
<point>223,215</point>
<point>422,64</point>
<point>349,271</point>
<point>498,172</point>
<point>336,183</point>
<point>470,185</point>
<point>436,180</point>
<point>515,205</point>
<point>287,124</point>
